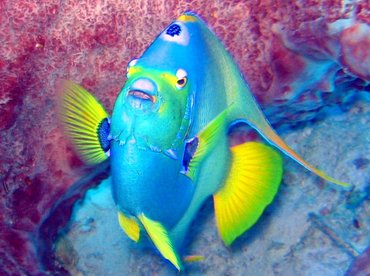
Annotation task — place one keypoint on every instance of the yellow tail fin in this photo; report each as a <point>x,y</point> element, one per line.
<point>251,185</point>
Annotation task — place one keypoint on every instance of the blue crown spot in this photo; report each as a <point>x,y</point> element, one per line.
<point>173,30</point>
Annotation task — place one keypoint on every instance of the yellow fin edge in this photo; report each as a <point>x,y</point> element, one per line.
<point>275,139</point>
<point>129,226</point>
<point>160,237</point>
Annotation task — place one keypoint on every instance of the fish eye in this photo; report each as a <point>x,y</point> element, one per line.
<point>181,82</point>
<point>181,78</point>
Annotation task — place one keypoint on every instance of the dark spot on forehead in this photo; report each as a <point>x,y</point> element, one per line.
<point>173,30</point>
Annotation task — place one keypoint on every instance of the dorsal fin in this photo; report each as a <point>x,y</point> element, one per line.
<point>271,136</point>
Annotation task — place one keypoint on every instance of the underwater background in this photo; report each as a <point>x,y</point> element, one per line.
<point>307,63</point>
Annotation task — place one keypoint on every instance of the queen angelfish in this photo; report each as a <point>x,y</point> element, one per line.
<point>167,140</point>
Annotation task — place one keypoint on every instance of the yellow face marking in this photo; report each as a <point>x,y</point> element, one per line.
<point>169,78</point>
<point>187,18</point>
<point>133,70</point>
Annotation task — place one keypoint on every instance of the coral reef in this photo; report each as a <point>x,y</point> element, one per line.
<point>298,57</point>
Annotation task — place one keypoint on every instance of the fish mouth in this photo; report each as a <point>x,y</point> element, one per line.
<point>142,95</point>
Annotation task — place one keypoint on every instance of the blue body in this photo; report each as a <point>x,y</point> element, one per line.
<point>145,178</point>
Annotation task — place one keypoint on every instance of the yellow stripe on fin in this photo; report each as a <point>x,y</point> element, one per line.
<point>129,226</point>
<point>159,236</point>
<point>187,18</point>
<point>85,121</point>
<point>275,139</point>
<point>251,185</point>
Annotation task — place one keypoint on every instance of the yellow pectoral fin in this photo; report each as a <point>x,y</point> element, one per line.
<point>251,185</point>
<point>208,139</point>
<point>160,237</point>
<point>85,121</point>
<point>129,226</point>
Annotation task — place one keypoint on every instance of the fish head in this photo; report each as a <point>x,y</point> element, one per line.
<point>157,102</point>
<point>153,106</point>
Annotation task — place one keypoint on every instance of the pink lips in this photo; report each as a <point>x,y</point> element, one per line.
<point>142,95</point>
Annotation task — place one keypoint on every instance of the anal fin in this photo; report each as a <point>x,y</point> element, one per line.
<point>129,226</point>
<point>253,181</point>
<point>160,237</point>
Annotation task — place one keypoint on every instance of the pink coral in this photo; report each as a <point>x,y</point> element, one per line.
<point>355,43</point>
<point>279,46</point>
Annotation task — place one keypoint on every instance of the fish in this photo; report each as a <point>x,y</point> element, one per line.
<point>167,141</point>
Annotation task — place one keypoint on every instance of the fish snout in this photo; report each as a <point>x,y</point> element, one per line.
<point>143,95</point>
